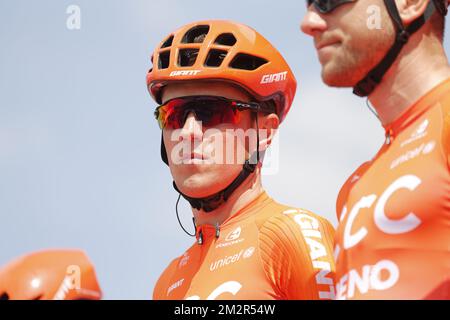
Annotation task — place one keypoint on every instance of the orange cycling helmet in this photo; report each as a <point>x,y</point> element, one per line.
<point>219,50</point>
<point>50,275</point>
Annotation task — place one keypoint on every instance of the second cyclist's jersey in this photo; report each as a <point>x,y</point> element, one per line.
<point>265,251</point>
<point>393,238</point>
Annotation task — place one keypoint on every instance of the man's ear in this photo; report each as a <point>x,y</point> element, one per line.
<point>410,10</point>
<point>268,126</point>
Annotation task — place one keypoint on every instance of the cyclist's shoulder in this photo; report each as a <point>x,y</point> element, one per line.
<point>162,283</point>
<point>284,223</point>
<point>306,219</point>
<point>174,265</point>
<point>172,271</point>
<point>291,239</point>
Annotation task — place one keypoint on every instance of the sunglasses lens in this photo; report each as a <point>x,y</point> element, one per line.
<point>215,112</point>
<point>326,6</point>
<point>167,114</point>
<point>160,114</point>
<point>210,111</point>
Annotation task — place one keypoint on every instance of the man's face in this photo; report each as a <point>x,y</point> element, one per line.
<point>199,156</point>
<point>347,45</point>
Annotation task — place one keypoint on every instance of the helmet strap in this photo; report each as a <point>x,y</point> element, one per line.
<point>163,151</point>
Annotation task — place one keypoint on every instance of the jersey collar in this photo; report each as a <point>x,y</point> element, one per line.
<point>207,231</point>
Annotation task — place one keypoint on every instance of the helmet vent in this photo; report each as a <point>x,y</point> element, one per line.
<point>187,57</point>
<point>163,61</point>
<point>226,39</point>
<point>196,34</point>
<point>215,58</point>
<point>168,42</point>
<point>4,296</point>
<point>247,62</point>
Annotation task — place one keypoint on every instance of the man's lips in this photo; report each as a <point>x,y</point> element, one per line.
<point>325,49</point>
<point>193,156</point>
<point>325,44</point>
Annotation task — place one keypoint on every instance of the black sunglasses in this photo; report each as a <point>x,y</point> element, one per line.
<point>211,110</point>
<point>326,6</point>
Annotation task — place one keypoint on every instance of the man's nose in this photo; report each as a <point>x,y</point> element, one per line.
<point>313,22</point>
<point>192,129</point>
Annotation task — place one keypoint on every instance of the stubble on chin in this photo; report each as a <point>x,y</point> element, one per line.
<point>353,61</point>
<point>345,69</point>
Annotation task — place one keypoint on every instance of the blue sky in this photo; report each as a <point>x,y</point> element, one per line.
<point>79,148</point>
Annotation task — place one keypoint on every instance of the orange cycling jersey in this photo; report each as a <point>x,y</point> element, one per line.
<point>265,251</point>
<point>393,239</point>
